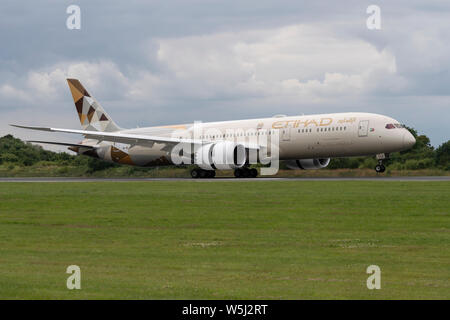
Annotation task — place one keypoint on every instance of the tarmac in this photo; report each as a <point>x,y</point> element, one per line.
<point>224,179</point>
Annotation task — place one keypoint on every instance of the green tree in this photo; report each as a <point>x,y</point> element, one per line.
<point>15,150</point>
<point>443,155</point>
<point>420,156</point>
<point>8,157</point>
<point>97,165</point>
<point>421,150</point>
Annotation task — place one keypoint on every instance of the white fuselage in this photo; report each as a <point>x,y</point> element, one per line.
<point>300,137</point>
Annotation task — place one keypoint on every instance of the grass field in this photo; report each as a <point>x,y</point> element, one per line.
<point>221,240</point>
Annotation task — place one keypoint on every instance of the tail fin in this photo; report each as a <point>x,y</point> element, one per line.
<point>91,114</point>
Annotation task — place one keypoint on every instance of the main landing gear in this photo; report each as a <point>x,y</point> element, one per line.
<point>246,173</point>
<point>380,168</point>
<point>238,173</point>
<point>200,173</point>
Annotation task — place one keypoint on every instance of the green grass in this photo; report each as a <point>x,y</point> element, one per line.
<point>225,240</point>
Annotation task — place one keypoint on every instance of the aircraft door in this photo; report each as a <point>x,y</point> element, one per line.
<point>286,134</point>
<point>363,128</point>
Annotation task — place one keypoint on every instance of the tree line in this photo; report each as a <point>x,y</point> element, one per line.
<point>14,151</point>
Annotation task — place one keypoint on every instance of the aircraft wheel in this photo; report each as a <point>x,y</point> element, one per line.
<point>195,173</point>
<point>210,174</point>
<point>253,173</point>
<point>238,173</point>
<point>379,168</point>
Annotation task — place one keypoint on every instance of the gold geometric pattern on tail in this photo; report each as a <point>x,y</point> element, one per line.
<point>91,114</point>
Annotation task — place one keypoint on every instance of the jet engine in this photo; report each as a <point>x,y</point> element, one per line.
<point>308,164</point>
<point>222,155</point>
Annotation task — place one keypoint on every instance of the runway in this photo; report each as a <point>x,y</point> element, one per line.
<point>224,179</point>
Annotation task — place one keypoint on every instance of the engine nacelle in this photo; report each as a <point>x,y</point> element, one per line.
<point>308,164</point>
<point>223,155</point>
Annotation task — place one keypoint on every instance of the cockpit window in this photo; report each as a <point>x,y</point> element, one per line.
<point>394,125</point>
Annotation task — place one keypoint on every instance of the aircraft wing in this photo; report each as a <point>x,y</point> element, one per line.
<point>63,144</point>
<point>128,138</point>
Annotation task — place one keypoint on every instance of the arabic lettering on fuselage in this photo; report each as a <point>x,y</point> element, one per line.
<point>322,122</point>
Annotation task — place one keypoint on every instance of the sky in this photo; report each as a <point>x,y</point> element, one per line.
<point>154,63</point>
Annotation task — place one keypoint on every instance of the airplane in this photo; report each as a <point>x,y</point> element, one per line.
<point>302,142</point>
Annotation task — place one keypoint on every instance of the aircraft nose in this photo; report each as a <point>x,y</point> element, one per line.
<point>408,140</point>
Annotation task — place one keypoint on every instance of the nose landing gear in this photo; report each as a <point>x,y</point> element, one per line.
<point>380,168</point>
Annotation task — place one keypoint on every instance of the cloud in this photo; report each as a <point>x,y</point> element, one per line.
<point>290,63</point>
<point>49,85</point>
<point>304,61</point>
<point>8,92</point>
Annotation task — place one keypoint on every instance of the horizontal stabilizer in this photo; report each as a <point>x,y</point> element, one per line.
<point>31,127</point>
